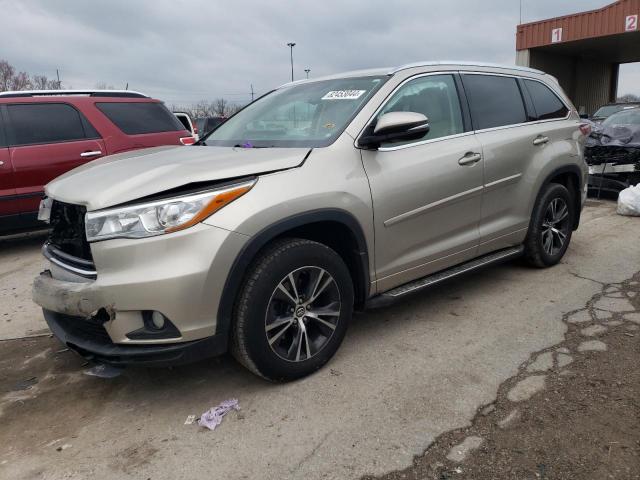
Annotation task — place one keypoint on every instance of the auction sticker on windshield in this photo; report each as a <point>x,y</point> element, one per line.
<point>343,94</point>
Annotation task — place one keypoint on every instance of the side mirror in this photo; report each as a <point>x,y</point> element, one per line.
<point>394,127</point>
<point>584,115</point>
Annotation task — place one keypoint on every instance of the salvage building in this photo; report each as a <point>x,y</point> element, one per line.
<point>584,50</point>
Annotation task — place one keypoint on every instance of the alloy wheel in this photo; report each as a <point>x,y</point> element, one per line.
<point>302,314</point>
<point>555,226</point>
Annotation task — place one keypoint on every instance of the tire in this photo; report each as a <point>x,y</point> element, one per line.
<point>550,229</point>
<point>277,337</point>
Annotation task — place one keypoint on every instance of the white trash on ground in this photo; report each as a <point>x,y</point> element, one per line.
<point>103,370</point>
<point>629,201</point>
<point>213,417</point>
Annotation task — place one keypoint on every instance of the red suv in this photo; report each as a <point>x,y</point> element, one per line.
<point>45,134</point>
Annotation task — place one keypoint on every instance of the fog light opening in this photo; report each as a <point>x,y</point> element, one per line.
<point>156,326</point>
<point>158,320</point>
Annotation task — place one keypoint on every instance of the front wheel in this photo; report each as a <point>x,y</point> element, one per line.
<point>292,311</point>
<point>551,226</point>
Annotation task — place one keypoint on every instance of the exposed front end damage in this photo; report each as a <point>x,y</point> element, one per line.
<point>613,156</point>
<point>80,299</point>
<point>150,301</point>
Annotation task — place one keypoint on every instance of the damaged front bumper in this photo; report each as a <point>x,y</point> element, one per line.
<point>175,279</point>
<point>73,312</point>
<point>88,338</point>
<point>81,299</point>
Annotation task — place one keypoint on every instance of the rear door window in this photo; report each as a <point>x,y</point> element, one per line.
<point>134,118</point>
<point>494,101</point>
<point>546,103</point>
<point>39,123</point>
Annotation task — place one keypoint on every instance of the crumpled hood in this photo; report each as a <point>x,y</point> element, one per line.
<point>128,176</point>
<point>614,136</point>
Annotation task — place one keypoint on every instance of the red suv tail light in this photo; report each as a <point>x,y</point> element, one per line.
<point>187,140</point>
<point>585,128</point>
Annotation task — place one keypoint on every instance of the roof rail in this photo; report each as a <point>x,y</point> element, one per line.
<point>466,64</point>
<point>90,93</point>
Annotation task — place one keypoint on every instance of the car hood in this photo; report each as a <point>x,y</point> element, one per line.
<point>614,136</point>
<point>124,177</point>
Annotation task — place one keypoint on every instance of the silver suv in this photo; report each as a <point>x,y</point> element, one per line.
<point>321,197</point>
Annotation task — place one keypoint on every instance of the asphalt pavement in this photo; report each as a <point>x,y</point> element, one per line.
<point>403,376</point>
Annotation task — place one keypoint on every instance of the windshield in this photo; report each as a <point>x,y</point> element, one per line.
<point>627,117</point>
<point>610,110</point>
<point>305,115</point>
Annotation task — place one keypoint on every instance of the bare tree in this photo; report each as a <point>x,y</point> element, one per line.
<point>10,80</point>
<point>629,97</point>
<point>6,75</point>
<point>234,108</point>
<point>221,107</point>
<point>54,85</point>
<point>39,82</point>
<point>20,81</point>
<point>189,110</point>
<point>203,109</point>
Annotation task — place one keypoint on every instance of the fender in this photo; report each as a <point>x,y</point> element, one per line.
<point>577,201</point>
<point>257,242</point>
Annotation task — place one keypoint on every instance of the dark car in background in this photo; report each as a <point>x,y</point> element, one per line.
<point>205,125</point>
<point>44,134</point>
<point>612,152</point>
<point>607,110</point>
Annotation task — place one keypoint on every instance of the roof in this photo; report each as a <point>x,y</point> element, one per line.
<point>59,93</point>
<point>387,71</point>
<point>605,21</point>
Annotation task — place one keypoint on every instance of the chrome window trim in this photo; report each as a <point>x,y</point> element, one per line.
<point>424,142</point>
<point>471,132</point>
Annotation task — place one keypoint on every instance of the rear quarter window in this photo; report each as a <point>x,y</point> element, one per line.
<point>546,103</point>
<point>494,101</point>
<point>38,123</point>
<point>135,118</point>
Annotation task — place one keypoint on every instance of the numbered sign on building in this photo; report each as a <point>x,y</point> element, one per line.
<point>631,23</point>
<point>556,35</point>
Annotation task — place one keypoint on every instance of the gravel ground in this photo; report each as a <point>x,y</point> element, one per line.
<point>572,412</point>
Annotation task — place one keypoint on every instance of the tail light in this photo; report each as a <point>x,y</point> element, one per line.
<point>585,128</point>
<point>187,140</point>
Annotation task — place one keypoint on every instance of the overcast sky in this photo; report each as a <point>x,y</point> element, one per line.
<point>183,51</point>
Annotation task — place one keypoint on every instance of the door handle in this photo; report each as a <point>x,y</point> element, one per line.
<point>1,163</point>
<point>470,158</point>
<point>540,140</point>
<point>93,153</point>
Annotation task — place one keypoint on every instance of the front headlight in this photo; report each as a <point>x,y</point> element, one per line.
<point>161,216</point>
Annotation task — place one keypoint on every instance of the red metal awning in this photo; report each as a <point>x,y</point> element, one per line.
<point>618,18</point>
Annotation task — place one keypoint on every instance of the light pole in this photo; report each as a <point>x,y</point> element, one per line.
<point>291,45</point>
<point>307,70</point>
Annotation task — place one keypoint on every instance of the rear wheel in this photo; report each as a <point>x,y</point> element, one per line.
<point>292,311</point>
<point>551,226</point>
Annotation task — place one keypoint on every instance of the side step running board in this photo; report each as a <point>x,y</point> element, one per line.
<point>401,291</point>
